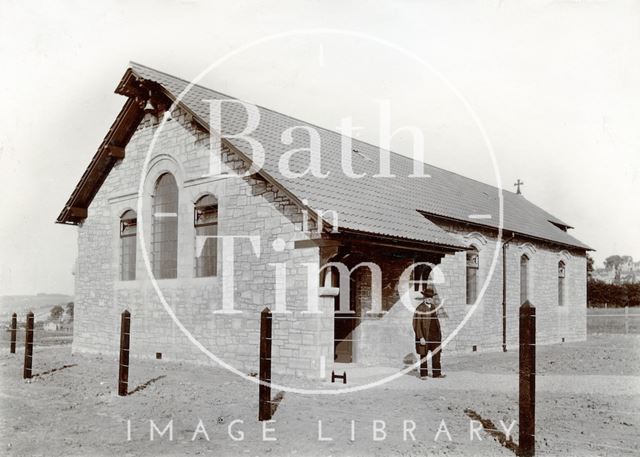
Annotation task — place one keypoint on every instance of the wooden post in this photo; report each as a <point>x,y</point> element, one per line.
<point>14,332</point>
<point>28,347</point>
<point>626,320</point>
<point>504,296</point>
<point>123,374</point>
<point>264,392</point>
<point>527,403</point>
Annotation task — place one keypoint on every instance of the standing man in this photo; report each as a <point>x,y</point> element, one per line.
<point>426,327</point>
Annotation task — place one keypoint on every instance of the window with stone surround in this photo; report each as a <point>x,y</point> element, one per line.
<point>524,278</point>
<point>473,264</point>
<point>561,280</point>
<point>164,244</point>
<point>128,232</point>
<point>205,222</point>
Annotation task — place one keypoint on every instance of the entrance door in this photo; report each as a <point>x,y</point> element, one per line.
<point>343,326</point>
<point>345,323</point>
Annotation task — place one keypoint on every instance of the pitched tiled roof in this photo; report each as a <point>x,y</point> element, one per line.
<point>397,207</point>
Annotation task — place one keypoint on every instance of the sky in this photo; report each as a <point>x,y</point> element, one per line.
<point>555,85</point>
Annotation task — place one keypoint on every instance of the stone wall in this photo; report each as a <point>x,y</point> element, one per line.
<point>389,339</point>
<point>247,207</point>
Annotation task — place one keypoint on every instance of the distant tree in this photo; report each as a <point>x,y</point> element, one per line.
<point>626,259</point>
<point>589,267</point>
<point>56,313</point>
<point>612,262</point>
<point>618,294</point>
<point>596,295</point>
<point>70,310</point>
<point>614,295</point>
<point>633,294</point>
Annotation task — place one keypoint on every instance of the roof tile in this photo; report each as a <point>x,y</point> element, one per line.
<point>386,206</point>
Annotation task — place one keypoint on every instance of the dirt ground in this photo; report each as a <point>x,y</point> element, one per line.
<point>588,403</point>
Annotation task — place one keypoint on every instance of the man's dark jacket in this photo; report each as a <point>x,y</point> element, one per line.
<point>426,325</point>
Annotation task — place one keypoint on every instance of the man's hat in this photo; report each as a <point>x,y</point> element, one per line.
<point>428,293</point>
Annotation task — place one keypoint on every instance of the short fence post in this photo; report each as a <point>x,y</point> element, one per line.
<point>123,374</point>
<point>626,320</point>
<point>28,347</point>
<point>527,397</point>
<point>14,332</point>
<point>264,392</point>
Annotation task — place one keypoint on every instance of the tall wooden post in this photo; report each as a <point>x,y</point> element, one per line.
<point>526,445</point>
<point>28,347</point>
<point>504,297</point>
<point>14,332</point>
<point>264,392</point>
<point>123,374</point>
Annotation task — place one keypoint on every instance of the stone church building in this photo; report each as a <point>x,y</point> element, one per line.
<point>134,253</point>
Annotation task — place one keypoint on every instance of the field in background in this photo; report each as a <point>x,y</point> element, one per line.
<point>613,320</point>
<point>40,304</point>
<point>40,337</point>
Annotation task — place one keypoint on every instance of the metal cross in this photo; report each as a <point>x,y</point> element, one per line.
<point>518,184</point>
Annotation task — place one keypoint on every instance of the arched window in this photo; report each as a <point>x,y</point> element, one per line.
<point>205,221</point>
<point>164,244</point>
<point>524,278</point>
<point>561,275</point>
<point>473,264</point>
<point>128,231</point>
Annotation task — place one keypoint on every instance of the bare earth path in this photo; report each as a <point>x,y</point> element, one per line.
<point>588,404</point>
